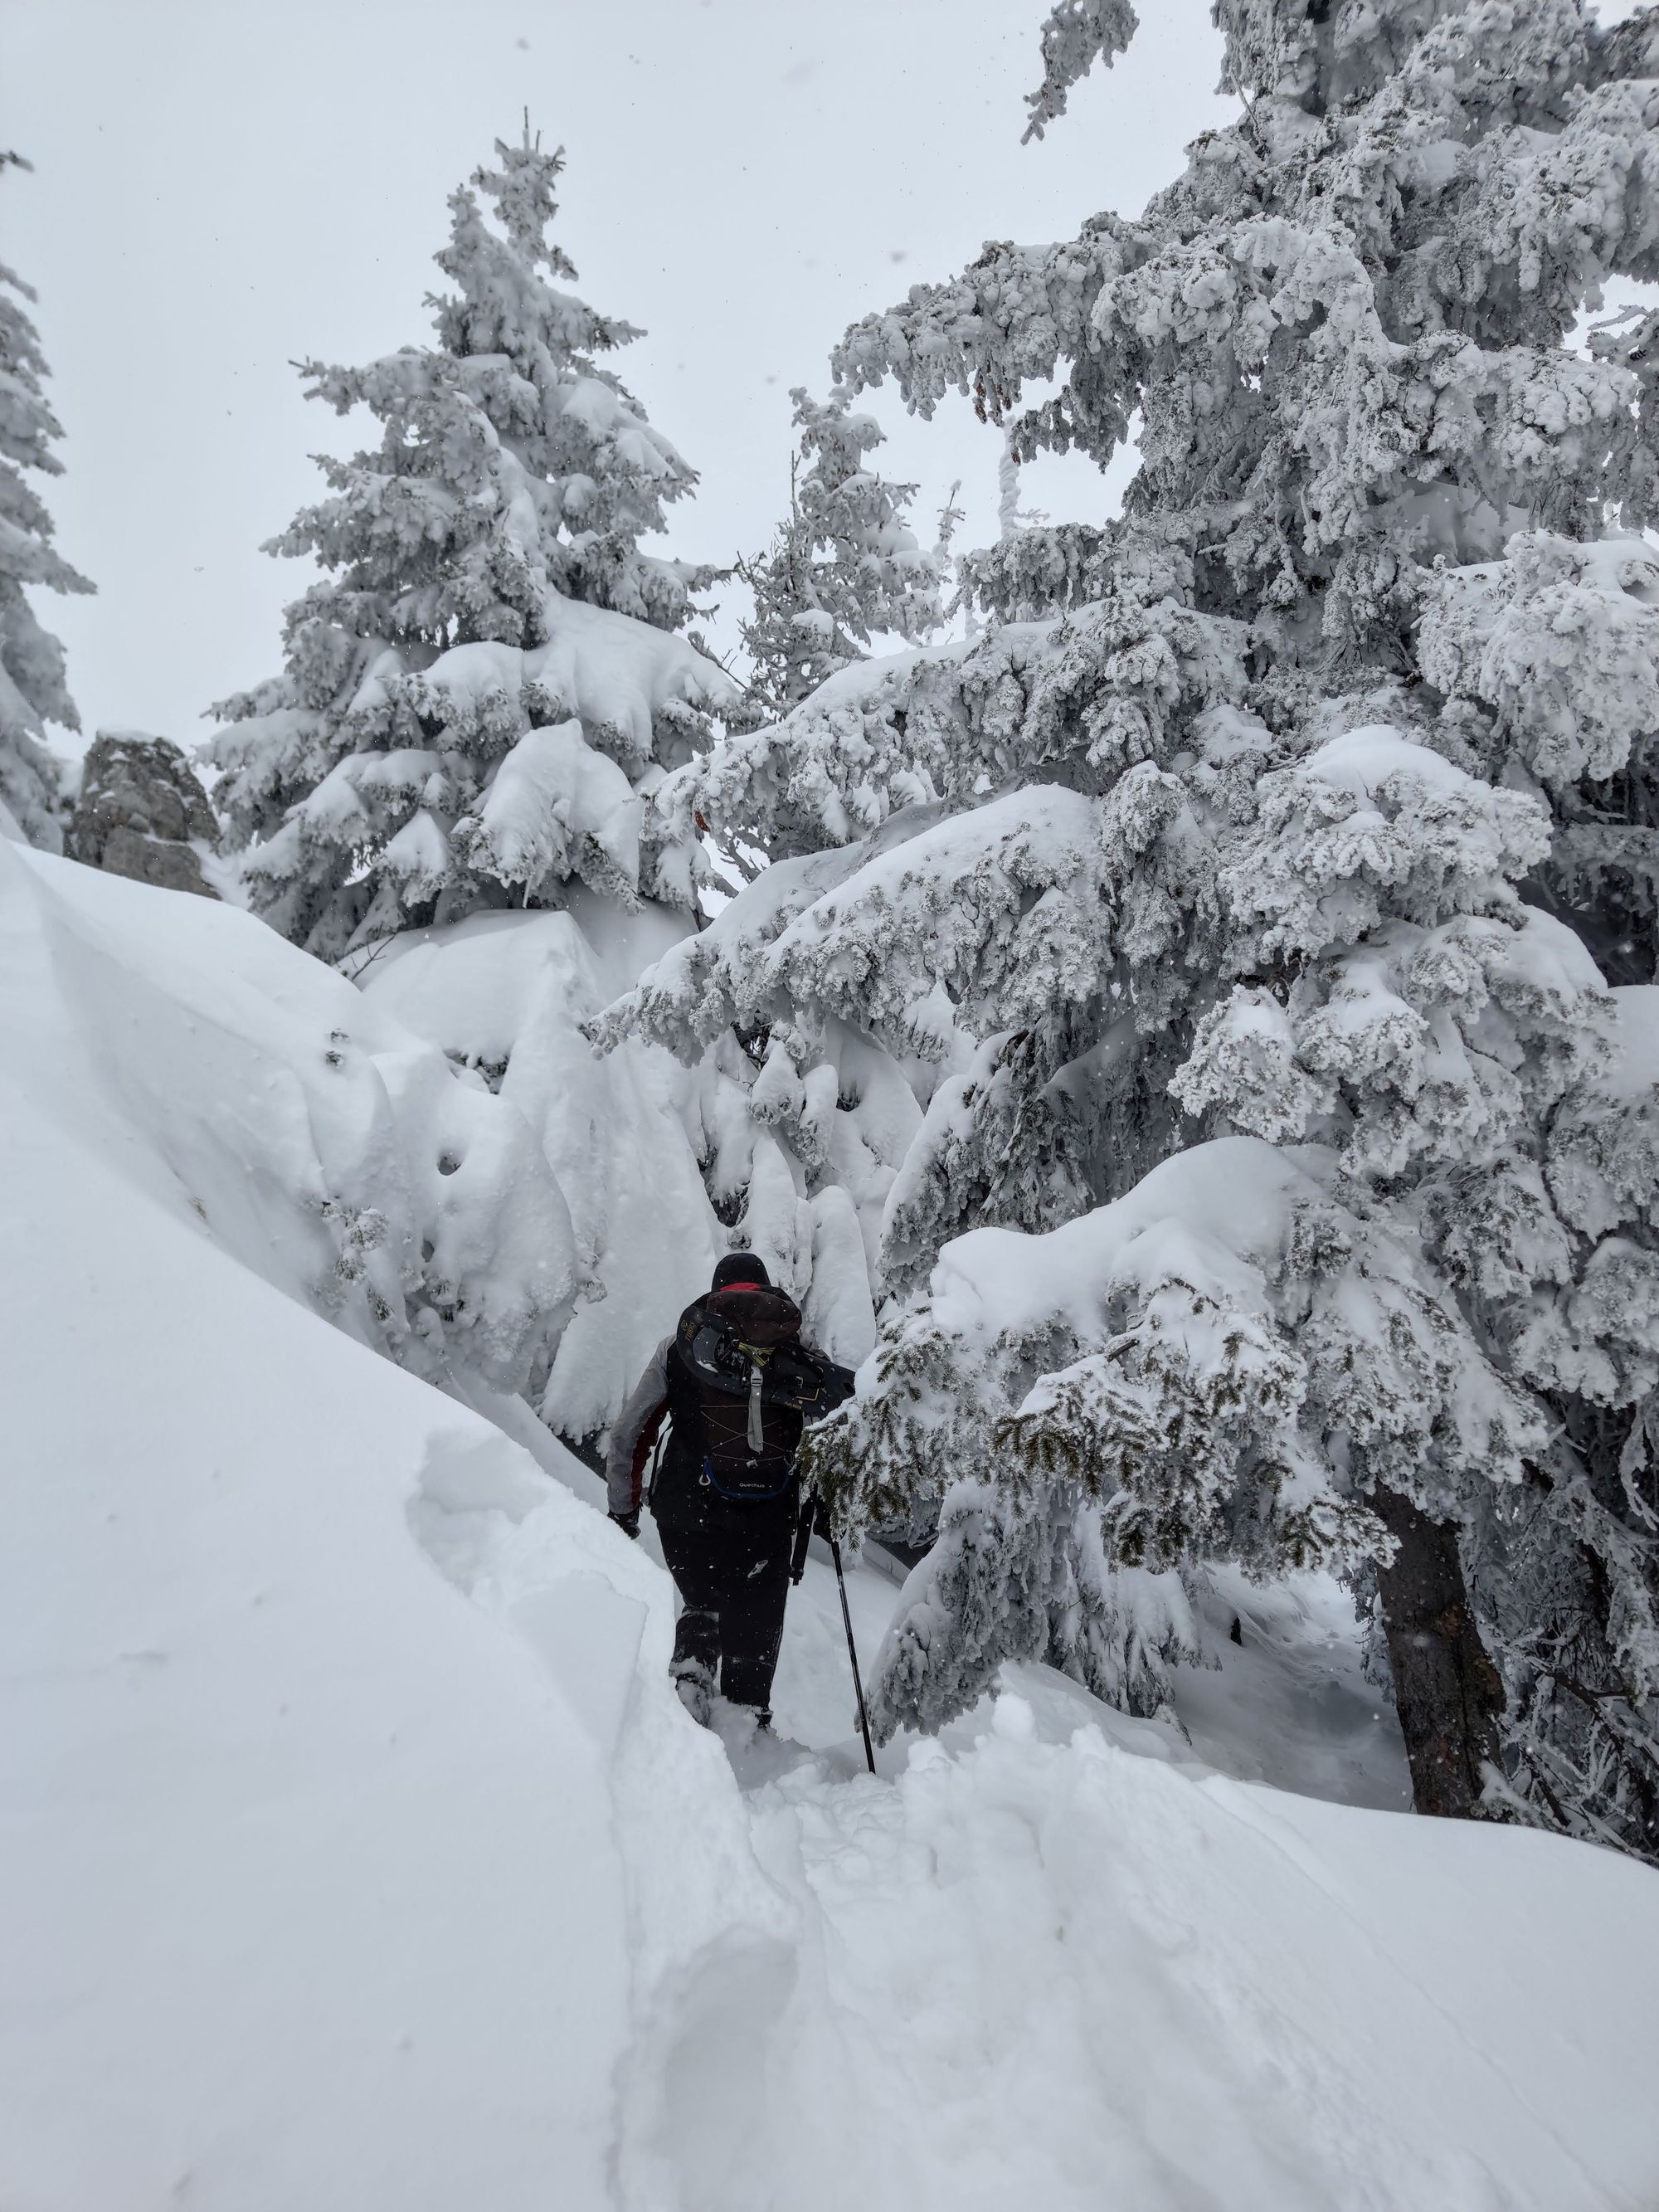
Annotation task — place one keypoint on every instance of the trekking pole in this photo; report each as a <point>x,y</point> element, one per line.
<point>853,1653</point>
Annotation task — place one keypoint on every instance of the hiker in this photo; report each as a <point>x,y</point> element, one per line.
<point>736,1385</point>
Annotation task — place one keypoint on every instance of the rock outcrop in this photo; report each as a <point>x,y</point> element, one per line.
<point>143,813</point>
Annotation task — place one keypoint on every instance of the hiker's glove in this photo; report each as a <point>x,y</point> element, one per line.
<point>628,1523</point>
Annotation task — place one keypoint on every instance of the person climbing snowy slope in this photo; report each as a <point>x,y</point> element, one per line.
<point>736,1385</point>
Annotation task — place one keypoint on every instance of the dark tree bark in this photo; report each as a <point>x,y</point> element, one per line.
<point>1448,1692</point>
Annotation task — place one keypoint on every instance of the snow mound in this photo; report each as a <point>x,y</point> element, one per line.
<point>506,995</point>
<point>359,1858</point>
<point>263,1101</point>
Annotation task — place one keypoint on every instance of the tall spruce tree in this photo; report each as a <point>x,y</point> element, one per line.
<point>33,691</point>
<point>844,565</point>
<point>487,677</point>
<point>1294,810</point>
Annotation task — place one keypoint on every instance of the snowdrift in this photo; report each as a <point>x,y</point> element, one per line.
<point>506,992</point>
<point>260,1097</point>
<point>355,1857</point>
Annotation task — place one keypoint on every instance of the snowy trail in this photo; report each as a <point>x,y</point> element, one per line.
<point>357,1855</point>
<point>1057,1953</point>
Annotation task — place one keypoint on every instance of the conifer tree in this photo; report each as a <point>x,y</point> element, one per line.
<point>487,675</point>
<point>446,789</point>
<point>33,691</point>
<point>844,565</point>
<point>1297,807</point>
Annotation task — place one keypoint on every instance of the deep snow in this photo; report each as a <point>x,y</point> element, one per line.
<point>354,1854</point>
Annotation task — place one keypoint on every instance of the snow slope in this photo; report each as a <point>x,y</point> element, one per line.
<point>355,1857</point>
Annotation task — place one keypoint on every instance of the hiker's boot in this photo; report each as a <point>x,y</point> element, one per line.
<point>694,1681</point>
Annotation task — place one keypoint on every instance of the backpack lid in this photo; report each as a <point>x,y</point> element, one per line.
<point>724,1337</point>
<point>754,1313</point>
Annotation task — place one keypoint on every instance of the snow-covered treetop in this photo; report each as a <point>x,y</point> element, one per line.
<point>511,460</point>
<point>1343,324</point>
<point>844,565</point>
<point>32,690</point>
<point>485,680</point>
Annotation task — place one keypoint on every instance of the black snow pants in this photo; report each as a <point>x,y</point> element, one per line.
<point>734,1580</point>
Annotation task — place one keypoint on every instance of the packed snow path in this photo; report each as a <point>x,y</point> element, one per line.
<point>357,1855</point>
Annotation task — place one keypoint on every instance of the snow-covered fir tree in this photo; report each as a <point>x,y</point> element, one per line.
<point>32,690</point>
<point>487,678</point>
<point>844,567</point>
<point>1299,805</point>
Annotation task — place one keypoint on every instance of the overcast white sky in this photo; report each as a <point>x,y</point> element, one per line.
<point>222,187</point>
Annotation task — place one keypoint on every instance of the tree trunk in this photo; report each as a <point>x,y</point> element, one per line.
<point>1447,1690</point>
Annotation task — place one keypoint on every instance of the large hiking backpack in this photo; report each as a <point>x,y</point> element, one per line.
<point>753,1384</point>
